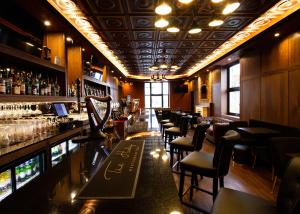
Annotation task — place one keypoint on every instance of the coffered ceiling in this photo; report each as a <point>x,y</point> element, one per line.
<point>127,27</point>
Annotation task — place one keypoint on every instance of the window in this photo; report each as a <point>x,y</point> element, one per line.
<point>156,96</point>
<point>234,90</point>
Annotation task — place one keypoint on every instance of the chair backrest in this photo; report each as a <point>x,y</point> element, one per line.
<point>184,125</point>
<point>223,151</point>
<point>219,130</point>
<point>239,123</point>
<point>288,199</point>
<point>199,136</point>
<point>165,113</point>
<point>280,146</point>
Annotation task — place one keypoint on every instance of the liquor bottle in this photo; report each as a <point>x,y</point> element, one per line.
<point>36,86</point>
<point>23,83</point>
<point>52,88</point>
<point>8,81</point>
<point>45,87</point>
<point>29,83</point>
<point>57,88</point>
<point>28,169</point>
<point>42,87</point>
<point>22,173</point>
<point>49,88</point>
<point>16,83</point>
<point>2,83</point>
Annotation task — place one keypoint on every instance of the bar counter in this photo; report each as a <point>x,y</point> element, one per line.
<point>55,190</point>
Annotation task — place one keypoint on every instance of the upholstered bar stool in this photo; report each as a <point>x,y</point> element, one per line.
<point>183,144</point>
<point>177,131</point>
<point>288,198</point>
<point>214,166</point>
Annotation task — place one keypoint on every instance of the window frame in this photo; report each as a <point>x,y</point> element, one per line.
<point>232,89</point>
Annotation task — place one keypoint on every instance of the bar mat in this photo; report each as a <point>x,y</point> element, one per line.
<point>118,176</point>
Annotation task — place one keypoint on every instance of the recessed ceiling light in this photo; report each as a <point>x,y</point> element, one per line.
<point>231,7</point>
<point>83,49</point>
<point>69,39</point>
<point>207,70</point>
<point>173,29</point>
<point>112,71</point>
<point>185,1</point>
<point>47,23</point>
<point>216,1</point>
<point>163,9</point>
<point>277,34</point>
<point>29,44</point>
<point>195,30</point>
<point>216,22</point>
<point>229,59</point>
<point>161,23</point>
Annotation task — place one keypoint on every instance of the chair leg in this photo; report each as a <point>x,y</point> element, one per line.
<point>274,184</point>
<point>221,180</point>
<point>181,184</point>
<point>215,187</point>
<point>254,161</point>
<point>196,180</point>
<point>178,159</point>
<point>171,155</point>
<point>192,184</point>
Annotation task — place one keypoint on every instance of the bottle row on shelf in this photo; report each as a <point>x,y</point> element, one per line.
<point>14,81</point>
<point>94,90</point>
<point>27,170</point>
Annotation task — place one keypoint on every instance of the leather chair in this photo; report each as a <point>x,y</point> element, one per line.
<point>177,131</point>
<point>173,121</point>
<point>182,144</point>
<point>282,149</point>
<point>214,166</point>
<point>288,198</point>
<point>216,131</point>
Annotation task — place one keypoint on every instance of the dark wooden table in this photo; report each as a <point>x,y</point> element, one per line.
<point>257,132</point>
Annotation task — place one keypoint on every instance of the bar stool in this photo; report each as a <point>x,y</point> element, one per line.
<point>182,144</point>
<point>176,131</point>
<point>214,166</point>
<point>175,118</point>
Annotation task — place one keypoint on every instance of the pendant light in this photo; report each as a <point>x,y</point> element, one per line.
<point>173,26</point>
<point>161,23</point>
<point>163,8</point>
<point>195,28</point>
<point>230,7</point>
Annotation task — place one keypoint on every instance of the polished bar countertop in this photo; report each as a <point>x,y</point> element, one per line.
<point>55,190</point>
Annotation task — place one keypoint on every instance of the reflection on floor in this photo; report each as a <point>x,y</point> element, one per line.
<point>255,181</point>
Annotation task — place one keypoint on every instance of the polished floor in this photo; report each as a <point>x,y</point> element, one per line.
<point>256,181</point>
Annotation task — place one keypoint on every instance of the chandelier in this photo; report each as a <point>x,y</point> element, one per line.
<point>163,66</point>
<point>165,8</point>
<point>158,77</point>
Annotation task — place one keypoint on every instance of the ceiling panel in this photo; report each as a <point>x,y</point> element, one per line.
<point>127,26</point>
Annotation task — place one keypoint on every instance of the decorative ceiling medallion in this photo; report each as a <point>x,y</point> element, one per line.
<point>76,17</point>
<point>278,12</point>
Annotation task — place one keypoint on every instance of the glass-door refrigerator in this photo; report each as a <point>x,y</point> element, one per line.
<point>5,184</point>
<point>28,170</point>
<point>58,153</point>
<point>72,146</point>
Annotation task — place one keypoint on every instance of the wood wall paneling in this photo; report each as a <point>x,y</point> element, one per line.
<point>75,69</point>
<point>250,99</point>
<point>294,98</point>
<point>180,101</point>
<point>295,50</point>
<point>274,98</point>
<point>56,42</point>
<point>136,90</point>
<point>276,57</point>
<point>250,66</point>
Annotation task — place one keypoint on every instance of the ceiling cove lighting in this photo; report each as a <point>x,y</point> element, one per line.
<point>278,12</point>
<point>185,1</point>
<point>231,7</point>
<point>78,19</point>
<point>216,1</point>
<point>163,9</point>
<point>161,23</point>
